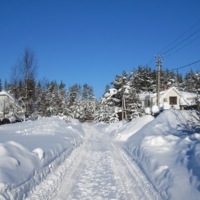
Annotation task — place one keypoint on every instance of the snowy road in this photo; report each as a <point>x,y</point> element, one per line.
<point>99,169</point>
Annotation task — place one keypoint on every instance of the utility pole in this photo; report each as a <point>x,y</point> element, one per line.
<point>122,99</point>
<point>26,100</point>
<point>124,116</point>
<point>158,80</point>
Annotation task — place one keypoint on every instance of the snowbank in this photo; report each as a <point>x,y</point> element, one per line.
<point>122,130</point>
<point>30,150</point>
<point>168,151</point>
<point>166,148</point>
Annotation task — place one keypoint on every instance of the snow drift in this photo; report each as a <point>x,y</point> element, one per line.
<point>31,150</point>
<point>122,130</point>
<point>168,151</point>
<point>166,148</point>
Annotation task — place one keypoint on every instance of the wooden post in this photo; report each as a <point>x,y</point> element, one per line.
<point>198,106</point>
<point>158,82</point>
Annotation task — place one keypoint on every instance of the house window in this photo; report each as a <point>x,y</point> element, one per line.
<point>173,100</point>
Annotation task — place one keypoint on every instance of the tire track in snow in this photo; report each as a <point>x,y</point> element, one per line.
<point>134,182</point>
<point>97,178</point>
<point>50,187</point>
<point>70,179</point>
<point>143,189</point>
<point>107,172</point>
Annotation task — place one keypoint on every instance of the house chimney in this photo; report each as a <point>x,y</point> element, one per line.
<point>165,87</point>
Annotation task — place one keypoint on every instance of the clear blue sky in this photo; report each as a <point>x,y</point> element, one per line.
<point>90,41</point>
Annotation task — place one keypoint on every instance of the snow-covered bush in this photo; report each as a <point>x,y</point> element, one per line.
<point>106,114</point>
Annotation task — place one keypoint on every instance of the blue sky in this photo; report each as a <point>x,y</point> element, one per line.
<point>90,41</point>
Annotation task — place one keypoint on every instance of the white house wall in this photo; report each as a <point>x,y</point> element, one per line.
<point>153,100</point>
<point>173,93</point>
<point>143,102</point>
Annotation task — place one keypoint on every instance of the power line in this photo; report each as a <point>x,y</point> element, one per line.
<point>180,36</point>
<point>152,60</point>
<point>183,46</point>
<point>185,65</point>
<point>182,41</point>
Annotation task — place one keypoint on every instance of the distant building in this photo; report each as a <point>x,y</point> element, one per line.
<point>172,96</point>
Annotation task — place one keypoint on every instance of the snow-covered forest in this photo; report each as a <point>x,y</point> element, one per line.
<point>47,98</point>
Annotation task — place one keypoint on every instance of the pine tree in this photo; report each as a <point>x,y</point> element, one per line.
<point>41,101</point>
<point>6,86</point>
<point>107,88</point>
<point>189,81</point>
<point>88,102</point>
<point>106,114</point>
<point>179,81</point>
<point>73,94</point>
<point>63,100</point>
<point>53,98</point>
<point>197,85</point>
<point>85,91</point>
<point>1,88</point>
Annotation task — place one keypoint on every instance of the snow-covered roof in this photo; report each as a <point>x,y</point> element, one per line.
<point>188,95</point>
<point>5,93</point>
<point>144,96</point>
<point>183,101</point>
<point>185,96</point>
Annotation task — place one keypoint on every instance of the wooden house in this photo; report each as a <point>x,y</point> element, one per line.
<point>172,96</point>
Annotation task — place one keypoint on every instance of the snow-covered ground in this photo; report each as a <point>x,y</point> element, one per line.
<point>146,158</point>
<point>31,150</point>
<point>167,149</point>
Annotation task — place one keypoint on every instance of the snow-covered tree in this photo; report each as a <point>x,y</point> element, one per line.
<point>143,79</point>
<point>1,88</point>
<point>41,101</point>
<point>197,83</point>
<point>73,94</point>
<point>106,114</point>
<point>189,81</point>
<point>24,71</point>
<point>88,102</point>
<point>81,101</point>
<point>123,96</point>
<point>6,86</point>
<point>107,88</point>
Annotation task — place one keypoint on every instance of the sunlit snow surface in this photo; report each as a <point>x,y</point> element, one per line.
<point>146,158</point>
<point>105,172</point>
<point>167,149</point>
<point>30,150</point>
